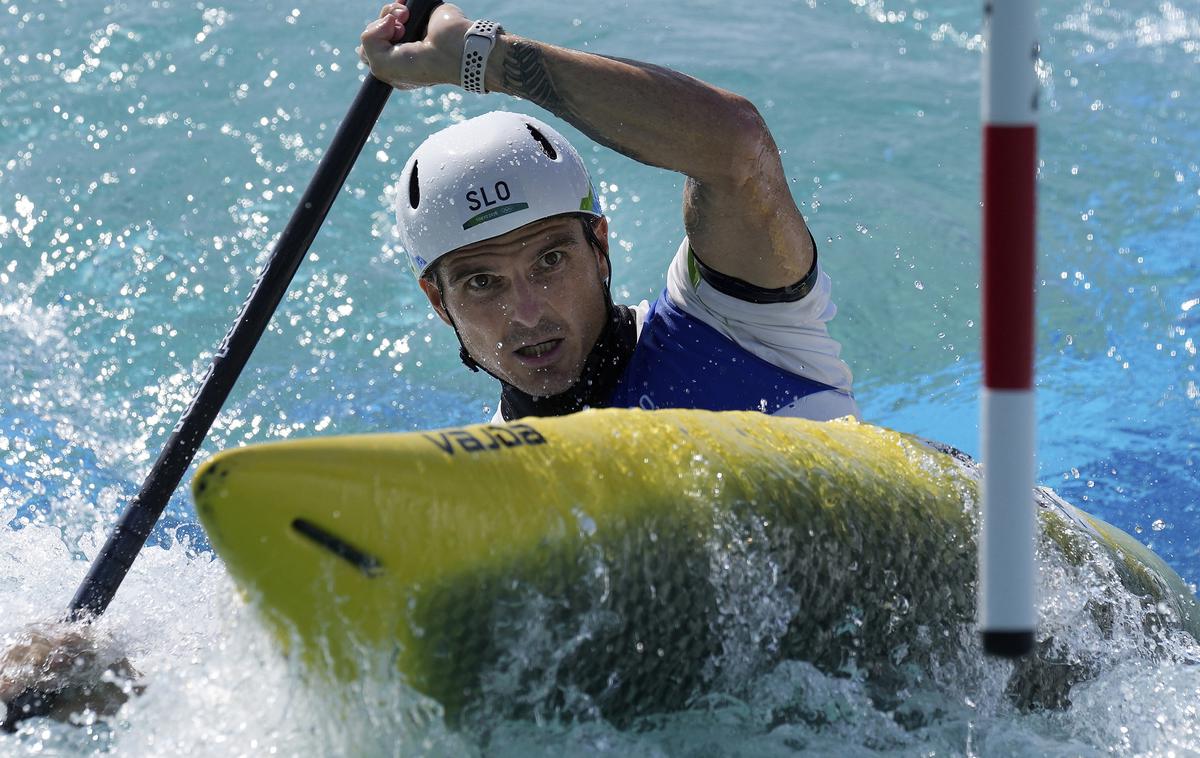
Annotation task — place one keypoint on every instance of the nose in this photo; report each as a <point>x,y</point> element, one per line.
<point>527,303</point>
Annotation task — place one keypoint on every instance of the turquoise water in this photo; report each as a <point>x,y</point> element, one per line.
<point>149,152</point>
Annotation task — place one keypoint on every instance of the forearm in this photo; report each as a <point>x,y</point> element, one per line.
<point>650,113</point>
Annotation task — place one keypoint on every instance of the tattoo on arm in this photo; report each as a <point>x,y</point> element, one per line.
<point>526,75</point>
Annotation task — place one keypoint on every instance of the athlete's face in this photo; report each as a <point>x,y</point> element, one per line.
<point>529,305</point>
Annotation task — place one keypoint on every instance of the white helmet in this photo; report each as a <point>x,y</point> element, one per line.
<point>485,177</point>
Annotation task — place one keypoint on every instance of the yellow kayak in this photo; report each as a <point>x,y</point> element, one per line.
<point>631,556</point>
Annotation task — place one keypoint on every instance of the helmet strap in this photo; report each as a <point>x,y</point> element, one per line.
<point>463,355</point>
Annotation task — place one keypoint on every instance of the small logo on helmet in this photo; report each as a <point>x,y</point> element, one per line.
<point>417,264</point>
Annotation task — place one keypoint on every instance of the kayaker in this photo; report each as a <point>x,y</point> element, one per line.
<point>502,228</point>
<point>504,232</point>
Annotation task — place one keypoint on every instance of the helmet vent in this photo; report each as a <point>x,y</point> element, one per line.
<point>414,188</point>
<point>547,148</point>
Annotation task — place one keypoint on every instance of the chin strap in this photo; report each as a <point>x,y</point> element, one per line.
<point>464,356</point>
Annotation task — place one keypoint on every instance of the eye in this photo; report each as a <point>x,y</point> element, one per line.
<point>479,282</point>
<point>553,258</point>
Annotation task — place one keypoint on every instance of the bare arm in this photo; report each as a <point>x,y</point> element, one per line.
<point>738,211</point>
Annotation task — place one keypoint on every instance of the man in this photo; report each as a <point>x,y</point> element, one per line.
<point>501,226</point>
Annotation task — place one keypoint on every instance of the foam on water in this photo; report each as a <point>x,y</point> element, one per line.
<point>149,152</point>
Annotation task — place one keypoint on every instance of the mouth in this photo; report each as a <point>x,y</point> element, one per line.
<point>539,353</point>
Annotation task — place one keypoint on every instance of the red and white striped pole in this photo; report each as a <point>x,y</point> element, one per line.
<point>1007,614</point>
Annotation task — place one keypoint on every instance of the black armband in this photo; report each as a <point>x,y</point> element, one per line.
<point>752,293</point>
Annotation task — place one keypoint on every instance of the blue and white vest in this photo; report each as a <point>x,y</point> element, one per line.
<point>682,362</point>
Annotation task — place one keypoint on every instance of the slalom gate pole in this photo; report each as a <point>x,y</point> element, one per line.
<point>1007,613</point>
<point>112,563</point>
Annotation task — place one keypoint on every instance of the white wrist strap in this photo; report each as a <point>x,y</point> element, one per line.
<point>477,46</point>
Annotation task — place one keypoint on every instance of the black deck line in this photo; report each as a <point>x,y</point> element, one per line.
<point>368,564</point>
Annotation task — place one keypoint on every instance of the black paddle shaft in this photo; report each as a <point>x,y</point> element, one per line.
<point>127,538</point>
<point>122,547</point>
